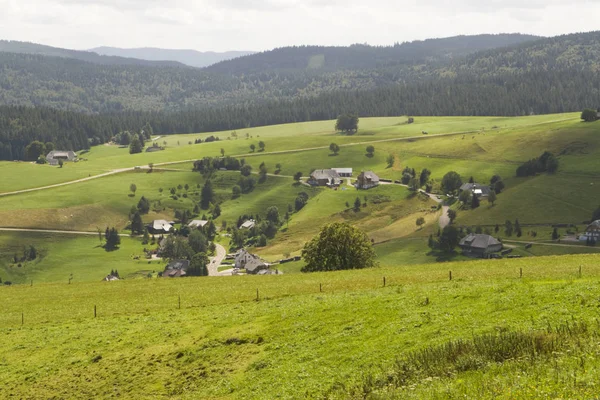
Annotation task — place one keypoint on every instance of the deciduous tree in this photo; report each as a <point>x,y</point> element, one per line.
<point>338,246</point>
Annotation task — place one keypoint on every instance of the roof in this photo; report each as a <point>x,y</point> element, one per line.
<point>248,224</point>
<point>61,153</point>
<point>161,224</point>
<point>594,226</point>
<point>343,170</point>
<point>255,264</point>
<point>370,175</point>
<point>479,241</point>
<point>197,223</point>
<point>178,265</point>
<point>319,174</point>
<point>476,188</point>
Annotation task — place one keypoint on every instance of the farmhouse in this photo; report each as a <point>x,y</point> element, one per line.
<point>476,189</point>
<point>248,224</point>
<point>479,245</point>
<point>324,177</point>
<point>592,232</point>
<point>55,155</point>
<point>250,262</point>
<point>176,269</point>
<point>160,226</point>
<point>197,223</point>
<point>367,180</point>
<point>343,172</point>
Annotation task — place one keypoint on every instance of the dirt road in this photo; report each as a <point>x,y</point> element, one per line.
<point>55,231</point>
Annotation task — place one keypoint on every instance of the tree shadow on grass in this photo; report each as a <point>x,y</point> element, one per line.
<point>442,256</point>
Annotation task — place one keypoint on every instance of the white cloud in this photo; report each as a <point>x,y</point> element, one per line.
<point>264,24</point>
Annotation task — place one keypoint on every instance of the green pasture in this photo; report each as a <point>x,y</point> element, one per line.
<point>320,335</point>
<point>61,256</point>
<point>287,137</point>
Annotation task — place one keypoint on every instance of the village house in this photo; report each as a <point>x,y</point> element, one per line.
<point>55,155</point>
<point>250,262</point>
<point>176,269</point>
<point>367,180</point>
<point>479,245</point>
<point>197,223</point>
<point>592,232</point>
<point>324,177</point>
<point>159,226</point>
<point>248,224</point>
<point>343,172</point>
<point>476,189</point>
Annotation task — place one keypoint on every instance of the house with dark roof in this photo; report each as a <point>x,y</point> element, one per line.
<point>592,232</point>
<point>324,177</point>
<point>176,269</point>
<point>476,189</point>
<point>479,245</point>
<point>250,262</point>
<point>366,180</point>
<point>55,155</point>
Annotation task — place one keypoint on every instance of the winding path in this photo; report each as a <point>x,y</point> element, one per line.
<point>55,231</point>
<point>213,266</point>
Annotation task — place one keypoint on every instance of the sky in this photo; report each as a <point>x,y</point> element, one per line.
<point>221,25</point>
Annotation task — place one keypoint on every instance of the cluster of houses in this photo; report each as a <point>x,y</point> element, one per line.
<point>54,157</point>
<point>334,177</point>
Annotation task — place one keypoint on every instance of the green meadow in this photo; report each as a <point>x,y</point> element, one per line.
<point>487,333</point>
<point>477,147</point>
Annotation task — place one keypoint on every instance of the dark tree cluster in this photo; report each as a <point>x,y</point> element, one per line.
<point>547,162</point>
<point>211,164</point>
<point>112,238</point>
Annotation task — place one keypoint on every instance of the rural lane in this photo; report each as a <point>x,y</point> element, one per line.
<point>213,266</point>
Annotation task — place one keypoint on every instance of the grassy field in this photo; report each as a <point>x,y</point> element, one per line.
<point>530,337</point>
<point>63,256</point>
<point>477,147</point>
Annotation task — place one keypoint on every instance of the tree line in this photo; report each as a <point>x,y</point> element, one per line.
<point>534,92</point>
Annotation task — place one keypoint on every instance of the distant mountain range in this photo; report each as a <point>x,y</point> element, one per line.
<point>35,75</point>
<point>11,46</point>
<point>193,58</point>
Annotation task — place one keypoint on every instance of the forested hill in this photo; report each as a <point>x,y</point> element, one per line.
<point>193,58</point>
<point>358,56</point>
<point>68,84</point>
<point>11,46</point>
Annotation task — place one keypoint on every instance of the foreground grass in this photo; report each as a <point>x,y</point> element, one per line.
<point>223,343</point>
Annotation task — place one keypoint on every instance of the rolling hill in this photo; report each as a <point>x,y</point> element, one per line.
<point>10,46</point>
<point>192,58</point>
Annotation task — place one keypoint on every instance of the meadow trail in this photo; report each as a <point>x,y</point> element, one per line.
<point>128,169</point>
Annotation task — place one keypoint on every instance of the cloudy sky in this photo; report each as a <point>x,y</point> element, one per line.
<point>221,25</point>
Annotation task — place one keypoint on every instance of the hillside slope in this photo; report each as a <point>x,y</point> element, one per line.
<point>330,58</point>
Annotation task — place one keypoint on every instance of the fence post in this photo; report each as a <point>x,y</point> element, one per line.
<point>450,275</point>
<point>179,302</point>
<point>320,287</point>
<point>22,319</point>
<point>580,271</point>
<point>94,311</point>
<point>384,281</point>
<point>520,272</point>
<point>257,294</point>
